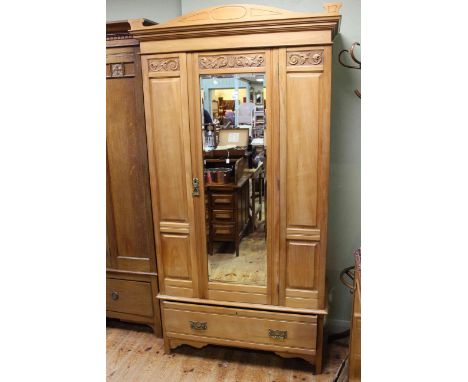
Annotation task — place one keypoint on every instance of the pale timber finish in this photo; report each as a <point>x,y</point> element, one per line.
<point>294,51</point>
<point>130,251</point>
<point>135,355</point>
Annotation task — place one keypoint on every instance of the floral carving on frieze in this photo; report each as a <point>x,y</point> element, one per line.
<point>232,61</point>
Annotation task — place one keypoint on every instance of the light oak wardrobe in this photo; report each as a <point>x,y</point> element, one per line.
<point>273,295</point>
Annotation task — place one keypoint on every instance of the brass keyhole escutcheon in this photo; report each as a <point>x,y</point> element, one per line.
<point>195,187</point>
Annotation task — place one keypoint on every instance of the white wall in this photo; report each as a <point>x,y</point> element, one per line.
<point>156,10</point>
<point>344,232</point>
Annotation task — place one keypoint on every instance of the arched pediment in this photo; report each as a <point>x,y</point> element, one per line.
<point>237,19</point>
<point>238,13</point>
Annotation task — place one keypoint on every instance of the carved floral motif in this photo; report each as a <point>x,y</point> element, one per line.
<point>163,64</point>
<point>232,61</point>
<point>313,57</point>
<point>117,70</point>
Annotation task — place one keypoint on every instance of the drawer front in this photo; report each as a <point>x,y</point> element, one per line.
<point>221,201</point>
<point>224,230</point>
<point>128,296</point>
<point>223,215</point>
<point>249,326</point>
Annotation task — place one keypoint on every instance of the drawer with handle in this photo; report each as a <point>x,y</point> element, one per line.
<point>224,230</point>
<point>223,215</point>
<point>240,325</point>
<point>128,296</point>
<point>220,200</point>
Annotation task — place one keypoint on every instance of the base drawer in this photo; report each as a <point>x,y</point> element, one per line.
<point>221,201</point>
<point>250,327</point>
<point>223,230</point>
<point>223,215</point>
<point>128,296</point>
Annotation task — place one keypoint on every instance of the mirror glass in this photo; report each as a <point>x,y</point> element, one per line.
<point>234,159</point>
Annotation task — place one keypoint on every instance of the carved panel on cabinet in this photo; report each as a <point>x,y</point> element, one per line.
<point>120,69</point>
<point>170,64</point>
<point>305,58</point>
<point>232,61</point>
<point>117,70</point>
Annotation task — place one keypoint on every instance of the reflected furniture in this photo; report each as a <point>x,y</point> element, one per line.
<point>131,286</point>
<point>294,52</point>
<point>257,203</point>
<point>228,206</point>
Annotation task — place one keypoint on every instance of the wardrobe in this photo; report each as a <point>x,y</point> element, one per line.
<point>131,284</point>
<point>272,294</point>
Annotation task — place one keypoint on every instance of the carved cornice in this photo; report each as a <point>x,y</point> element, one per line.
<point>232,61</point>
<point>118,36</point>
<point>163,64</point>
<point>237,19</point>
<point>305,58</point>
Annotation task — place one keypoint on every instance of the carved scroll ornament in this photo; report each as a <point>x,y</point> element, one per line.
<point>117,70</point>
<point>232,61</point>
<point>314,57</point>
<point>163,64</point>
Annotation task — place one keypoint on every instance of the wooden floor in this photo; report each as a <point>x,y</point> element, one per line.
<point>137,355</point>
<point>247,268</point>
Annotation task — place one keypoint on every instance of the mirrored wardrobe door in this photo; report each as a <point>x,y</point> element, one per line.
<point>230,115</point>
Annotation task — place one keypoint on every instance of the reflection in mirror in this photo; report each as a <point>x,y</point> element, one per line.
<point>234,157</point>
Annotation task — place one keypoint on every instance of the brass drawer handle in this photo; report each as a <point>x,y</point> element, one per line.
<point>197,325</point>
<point>278,334</point>
<point>114,296</point>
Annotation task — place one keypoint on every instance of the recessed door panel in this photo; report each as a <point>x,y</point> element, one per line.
<point>174,255</point>
<point>167,126</point>
<point>300,265</point>
<point>302,148</point>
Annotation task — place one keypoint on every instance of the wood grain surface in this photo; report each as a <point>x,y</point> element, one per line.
<point>137,355</point>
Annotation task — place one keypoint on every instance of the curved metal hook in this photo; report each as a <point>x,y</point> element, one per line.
<point>346,65</point>
<point>353,57</point>
<point>352,54</point>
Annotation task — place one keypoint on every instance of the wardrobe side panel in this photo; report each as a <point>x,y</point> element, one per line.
<point>128,191</point>
<point>304,131</point>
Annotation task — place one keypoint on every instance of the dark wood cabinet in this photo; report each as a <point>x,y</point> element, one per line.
<point>130,252</point>
<point>229,212</point>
